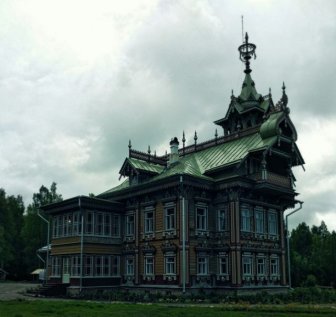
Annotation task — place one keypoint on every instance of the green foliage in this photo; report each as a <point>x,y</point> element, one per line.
<point>313,256</point>
<point>34,229</point>
<point>11,219</point>
<point>94,309</point>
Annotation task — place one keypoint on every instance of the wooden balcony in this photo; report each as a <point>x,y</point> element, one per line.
<point>273,179</point>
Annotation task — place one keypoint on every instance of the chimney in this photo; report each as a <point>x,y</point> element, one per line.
<point>173,156</point>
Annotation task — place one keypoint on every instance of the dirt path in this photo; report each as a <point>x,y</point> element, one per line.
<point>9,290</point>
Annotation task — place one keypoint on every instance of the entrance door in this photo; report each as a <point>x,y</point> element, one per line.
<point>66,271</point>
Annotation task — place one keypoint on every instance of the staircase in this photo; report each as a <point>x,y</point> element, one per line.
<point>57,290</point>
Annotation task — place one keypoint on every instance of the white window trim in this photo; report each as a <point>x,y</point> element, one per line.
<point>166,208</point>
<point>206,265</point>
<point>206,222</point>
<point>146,258</point>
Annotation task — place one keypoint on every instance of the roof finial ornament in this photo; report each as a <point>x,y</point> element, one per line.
<point>246,52</point>
<point>216,136</point>
<point>183,141</point>
<point>129,147</point>
<point>195,139</point>
<point>270,91</point>
<point>149,150</point>
<point>284,97</point>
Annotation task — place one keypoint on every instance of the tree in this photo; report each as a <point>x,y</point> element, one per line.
<point>35,229</point>
<point>11,244</point>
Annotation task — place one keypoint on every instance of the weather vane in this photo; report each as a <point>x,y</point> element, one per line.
<point>246,52</point>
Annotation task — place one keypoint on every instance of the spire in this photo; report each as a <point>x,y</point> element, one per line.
<point>246,52</point>
<point>249,92</point>
<point>284,97</point>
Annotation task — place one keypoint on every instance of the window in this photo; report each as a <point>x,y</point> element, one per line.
<point>201,218</point>
<point>129,266</point>
<point>223,263</point>
<point>170,218</point>
<point>272,223</point>
<point>99,224</point>
<point>106,266</point>
<point>245,218</point>
<point>222,220</point>
<point>65,225</point>
<point>75,266</point>
<point>66,265</point>
<point>89,222</point>
<point>116,226</point>
<point>88,266</point>
<point>130,225</point>
<point>170,265</point>
<point>149,265</point>
<point>149,221</point>
<point>59,226</point>
<point>202,265</point>
<point>247,265</point>
<point>115,265</point>
<point>99,266</point>
<point>77,224</point>
<point>69,224</point>
<point>259,220</point>
<point>261,266</point>
<point>107,224</point>
<point>54,227</point>
<point>55,266</point>
<point>274,266</point>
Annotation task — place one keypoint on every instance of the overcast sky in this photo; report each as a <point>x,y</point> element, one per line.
<point>78,79</point>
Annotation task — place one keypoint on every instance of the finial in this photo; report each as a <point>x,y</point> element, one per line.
<point>216,134</point>
<point>155,153</point>
<point>149,150</point>
<point>129,144</point>
<point>270,91</point>
<point>246,52</point>
<point>183,138</point>
<point>166,154</point>
<point>284,97</point>
<point>195,136</point>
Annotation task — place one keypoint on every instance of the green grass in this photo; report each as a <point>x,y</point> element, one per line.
<point>57,308</point>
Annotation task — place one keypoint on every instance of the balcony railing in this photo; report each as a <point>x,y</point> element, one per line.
<point>272,178</point>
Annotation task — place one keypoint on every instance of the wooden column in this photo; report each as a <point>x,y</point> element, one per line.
<point>234,209</point>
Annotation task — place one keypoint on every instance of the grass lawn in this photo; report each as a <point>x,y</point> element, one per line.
<point>33,308</point>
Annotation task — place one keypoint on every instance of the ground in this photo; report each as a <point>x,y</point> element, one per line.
<point>10,290</point>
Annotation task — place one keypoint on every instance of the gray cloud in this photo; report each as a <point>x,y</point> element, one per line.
<point>69,106</point>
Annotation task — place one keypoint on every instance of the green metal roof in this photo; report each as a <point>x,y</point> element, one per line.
<point>145,166</point>
<point>200,163</point>
<point>271,126</point>
<point>248,90</point>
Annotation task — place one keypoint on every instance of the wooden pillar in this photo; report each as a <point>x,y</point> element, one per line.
<point>283,265</point>
<point>234,209</point>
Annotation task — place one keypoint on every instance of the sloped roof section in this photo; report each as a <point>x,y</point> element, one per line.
<point>201,163</point>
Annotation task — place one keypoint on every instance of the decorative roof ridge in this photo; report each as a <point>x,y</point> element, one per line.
<point>160,160</point>
<point>217,141</point>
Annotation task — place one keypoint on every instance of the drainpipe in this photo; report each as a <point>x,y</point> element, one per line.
<point>81,245</point>
<point>46,275</point>
<point>288,251</point>
<point>183,239</point>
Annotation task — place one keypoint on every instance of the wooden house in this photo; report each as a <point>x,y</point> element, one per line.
<point>208,215</point>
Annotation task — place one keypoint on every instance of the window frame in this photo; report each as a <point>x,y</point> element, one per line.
<point>147,264</point>
<point>222,219</point>
<point>259,218</point>
<point>272,224</point>
<point>149,221</point>
<point>201,219</point>
<point>246,218</point>
<point>203,268</point>
<point>130,225</point>
<point>170,219</point>
<point>247,262</point>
